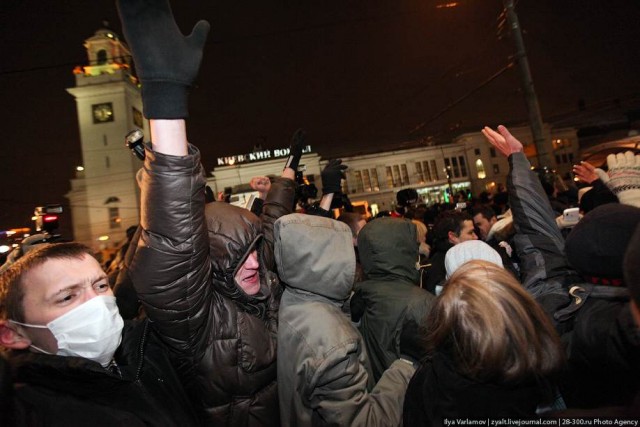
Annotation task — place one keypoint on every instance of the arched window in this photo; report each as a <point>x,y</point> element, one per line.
<point>101,57</point>
<point>480,168</point>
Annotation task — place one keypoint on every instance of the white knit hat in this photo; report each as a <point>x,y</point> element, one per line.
<point>468,251</point>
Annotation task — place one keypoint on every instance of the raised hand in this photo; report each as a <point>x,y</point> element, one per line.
<point>261,184</point>
<point>166,61</point>
<point>585,172</point>
<point>332,176</point>
<point>623,177</point>
<point>506,143</point>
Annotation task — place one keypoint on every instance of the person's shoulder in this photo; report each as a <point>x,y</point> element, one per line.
<point>318,322</point>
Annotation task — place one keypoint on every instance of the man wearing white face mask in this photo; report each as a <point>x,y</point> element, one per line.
<point>74,361</point>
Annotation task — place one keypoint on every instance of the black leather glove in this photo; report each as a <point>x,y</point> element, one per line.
<point>332,175</point>
<point>166,61</point>
<point>295,149</point>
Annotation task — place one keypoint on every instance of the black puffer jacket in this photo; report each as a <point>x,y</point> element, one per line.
<point>223,341</point>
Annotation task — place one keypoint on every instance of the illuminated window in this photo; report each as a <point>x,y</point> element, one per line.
<point>358,177</point>
<point>419,172</point>
<point>389,177</point>
<point>434,171</point>
<point>374,180</point>
<point>480,168</point>
<point>427,171</point>
<point>366,180</point>
<point>405,174</point>
<point>114,218</point>
<point>396,176</point>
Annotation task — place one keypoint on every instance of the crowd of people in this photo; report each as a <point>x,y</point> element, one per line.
<point>217,315</point>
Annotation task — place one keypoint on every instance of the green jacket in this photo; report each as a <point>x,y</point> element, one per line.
<point>389,299</point>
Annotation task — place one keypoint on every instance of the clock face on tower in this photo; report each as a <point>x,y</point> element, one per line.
<point>102,112</point>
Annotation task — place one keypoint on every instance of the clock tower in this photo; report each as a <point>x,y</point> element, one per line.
<point>104,196</point>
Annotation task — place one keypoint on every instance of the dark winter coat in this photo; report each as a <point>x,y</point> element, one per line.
<point>603,342</point>
<point>72,391</point>
<point>223,341</point>
<point>435,271</point>
<point>437,391</point>
<point>389,299</point>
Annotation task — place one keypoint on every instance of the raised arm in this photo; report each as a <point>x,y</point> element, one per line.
<point>170,265</point>
<point>539,242</point>
<point>280,197</point>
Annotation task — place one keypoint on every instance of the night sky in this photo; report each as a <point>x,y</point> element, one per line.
<point>357,75</point>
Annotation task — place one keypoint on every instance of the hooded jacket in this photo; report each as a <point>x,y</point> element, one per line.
<point>390,297</point>
<point>223,341</point>
<point>323,368</point>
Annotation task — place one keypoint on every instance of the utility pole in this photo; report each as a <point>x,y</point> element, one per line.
<point>535,118</point>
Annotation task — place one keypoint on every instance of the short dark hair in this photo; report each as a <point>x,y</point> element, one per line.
<point>11,280</point>
<point>449,221</point>
<point>486,211</point>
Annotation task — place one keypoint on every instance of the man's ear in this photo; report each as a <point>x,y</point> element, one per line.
<point>453,238</point>
<point>11,337</point>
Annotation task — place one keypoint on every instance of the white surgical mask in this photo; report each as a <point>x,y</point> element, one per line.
<point>92,330</point>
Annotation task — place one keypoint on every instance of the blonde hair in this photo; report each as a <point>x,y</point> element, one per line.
<point>422,230</point>
<point>492,327</point>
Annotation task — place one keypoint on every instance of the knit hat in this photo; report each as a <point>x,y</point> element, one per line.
<point>597,244</point>
<point>468,251</point>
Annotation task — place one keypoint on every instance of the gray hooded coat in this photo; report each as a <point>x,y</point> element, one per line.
<point>323,369</point>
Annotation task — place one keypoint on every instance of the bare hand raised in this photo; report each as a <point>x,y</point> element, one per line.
<point>506,143</point>
<point>585,172</point>
<point>261,184</point>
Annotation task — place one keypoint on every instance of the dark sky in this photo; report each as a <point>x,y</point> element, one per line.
<point>356,74</point>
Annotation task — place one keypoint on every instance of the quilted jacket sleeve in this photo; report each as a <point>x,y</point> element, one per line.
<point>170,267</point>
<point>279,202</point>
<point>539,242</point>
